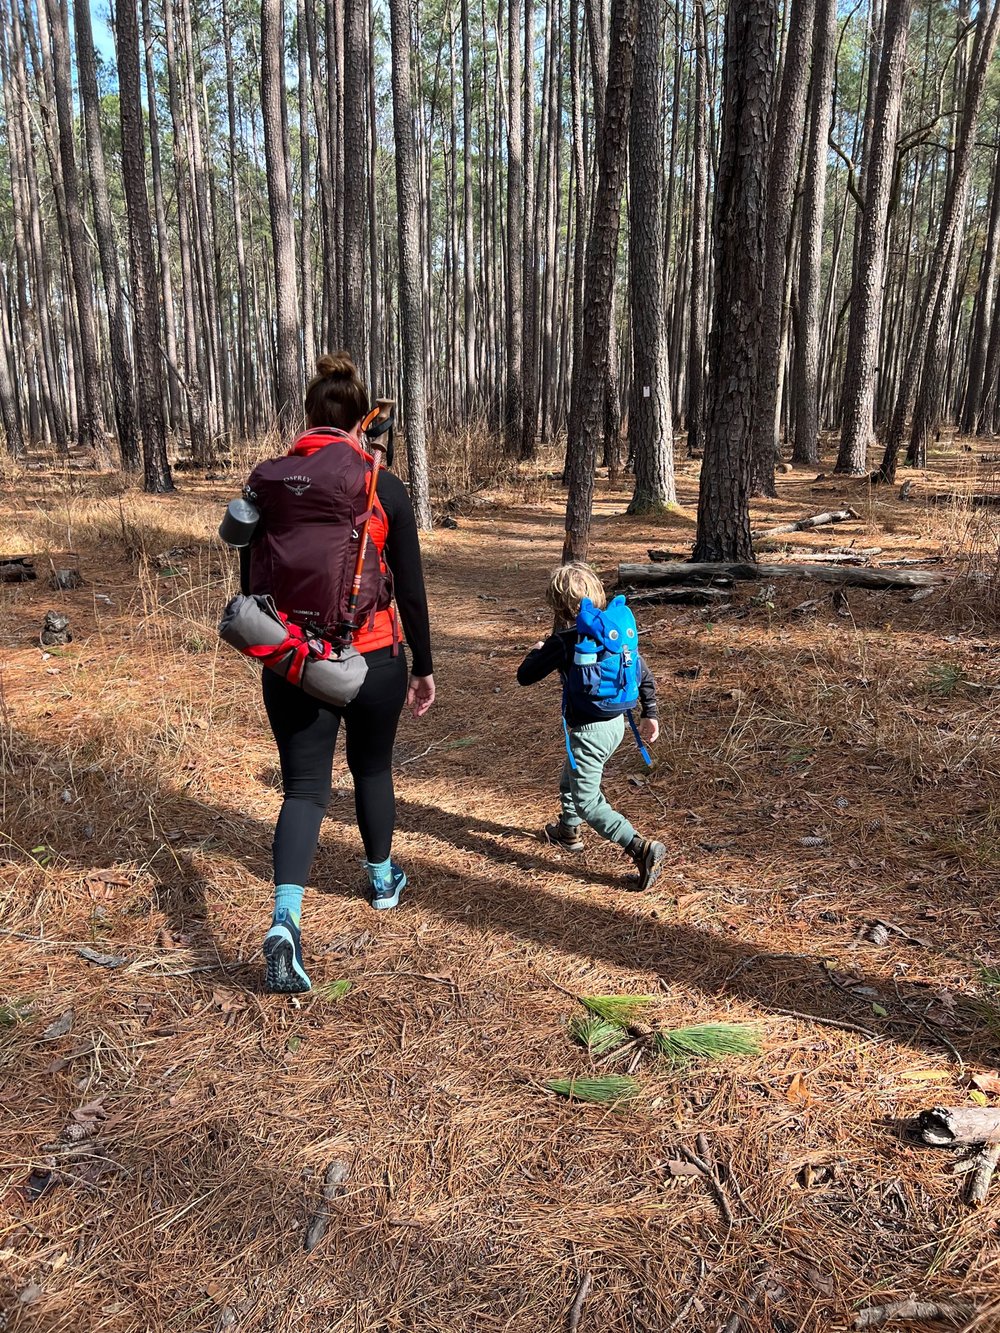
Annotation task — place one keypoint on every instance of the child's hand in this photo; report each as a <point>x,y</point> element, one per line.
<point>649,730</point>
<point>535,646</point>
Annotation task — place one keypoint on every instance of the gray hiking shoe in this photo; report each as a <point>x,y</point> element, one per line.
<point>648,857</point>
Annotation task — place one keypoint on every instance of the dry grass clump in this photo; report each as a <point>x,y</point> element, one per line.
<point>169,1131</point>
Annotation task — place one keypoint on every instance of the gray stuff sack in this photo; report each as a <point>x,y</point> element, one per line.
<point>253,622</point>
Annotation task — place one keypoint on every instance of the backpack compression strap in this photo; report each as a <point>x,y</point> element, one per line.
<point>301,648</point>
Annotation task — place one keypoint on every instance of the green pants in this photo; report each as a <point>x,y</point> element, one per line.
<point>593,744</point>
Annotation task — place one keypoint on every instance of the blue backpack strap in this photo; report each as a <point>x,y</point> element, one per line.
<point>638,740</point>
<point>569,747</point>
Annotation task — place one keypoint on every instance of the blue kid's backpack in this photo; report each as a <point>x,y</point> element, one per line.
<point>604,676</point>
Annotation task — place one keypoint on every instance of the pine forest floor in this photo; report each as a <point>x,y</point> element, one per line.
<point>165,1127</point>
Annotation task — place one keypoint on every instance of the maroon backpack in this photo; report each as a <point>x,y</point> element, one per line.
<point>312,504</point>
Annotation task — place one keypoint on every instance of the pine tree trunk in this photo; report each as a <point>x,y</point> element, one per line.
<point>193,382</point>
<point>602,255</point>
<point>355,178</point>
<point>780,192</point>
<point>651,424</point>
<point>246,379</point>
<point>529,248</point>
<point>306,260</point>
<point>410,295</point>
<point>514,391</point>
<point>93,432</point>
<point>580,193</point>
<point>148,363</point>
<point>985,310</point>
<point>321,112</point>
<point>374,345</point>
<point>278,156</point>
<point>468,224</point>
<point>936,301</point>
<point>807,343</point>
<point>162,258</point>
<point>699,228</point>
<point>868,278</point>
<point>739,237</point>
<point>203,246</point>
<point>10,418</point>
<point>121,359</point>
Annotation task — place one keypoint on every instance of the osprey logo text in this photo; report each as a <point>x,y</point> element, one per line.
<point>297,485</point>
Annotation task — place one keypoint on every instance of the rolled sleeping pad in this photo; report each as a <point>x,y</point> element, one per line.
<point>252,623</point>
<point>239,523</point>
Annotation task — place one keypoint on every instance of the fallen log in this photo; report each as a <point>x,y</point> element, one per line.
<point>974,500</point>
<point>16,569</point>
<point>854,558</point>
<point>804,524</point>
<point>678,572</point>
<point>915,560</point>
<point>957,1126</point>
<point>915,1312</point>
<point>982,1174</point>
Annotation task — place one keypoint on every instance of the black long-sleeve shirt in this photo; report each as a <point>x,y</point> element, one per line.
<point>402,555</point>
<point>556,654</point>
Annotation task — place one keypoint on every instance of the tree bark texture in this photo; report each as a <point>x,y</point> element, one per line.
<point>740,211</point>
<point>92,430</point>
<point>807,344</point>
<point>410,296</point>
<point>651,423</point>
<point>602,253</point>
<point>355,155</point>
<point>782,176</point>
<point>927,339</point>
<point>272,47</point>
<point>148,362</point>
<point>122,389</point>
<point>868,278</point>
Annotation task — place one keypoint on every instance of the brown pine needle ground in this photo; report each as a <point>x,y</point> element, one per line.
<point>167,1130</point>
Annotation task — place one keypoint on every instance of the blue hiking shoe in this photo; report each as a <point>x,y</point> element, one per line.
<point>283,970</point>
<point>386,886</point>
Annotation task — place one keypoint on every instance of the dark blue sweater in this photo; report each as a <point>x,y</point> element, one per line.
<point>556,654</point>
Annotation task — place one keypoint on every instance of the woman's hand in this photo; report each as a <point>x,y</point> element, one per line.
<point>535,646</point>
<point>420,695</point>
<point>649,730</point>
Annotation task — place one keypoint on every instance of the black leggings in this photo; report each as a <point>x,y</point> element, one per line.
<point>305,731</point>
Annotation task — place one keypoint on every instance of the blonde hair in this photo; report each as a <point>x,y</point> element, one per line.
<point>570,584</point>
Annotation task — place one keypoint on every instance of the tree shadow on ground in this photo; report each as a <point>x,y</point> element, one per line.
<point>611,926</point>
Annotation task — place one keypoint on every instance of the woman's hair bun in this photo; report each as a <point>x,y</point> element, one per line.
<point>335,366</point>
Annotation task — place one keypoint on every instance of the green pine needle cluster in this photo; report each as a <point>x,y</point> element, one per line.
<point>707,1041</point>
<point>601,1091</point>
<point>596,1034</point>
<point>334,990</point>
<point>618,1009</point>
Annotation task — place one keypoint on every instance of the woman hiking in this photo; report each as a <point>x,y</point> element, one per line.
<point>312,508</point>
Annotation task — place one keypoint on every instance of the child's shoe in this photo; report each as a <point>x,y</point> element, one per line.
<point>283,970</point>
<point>566,836</point>
<point>648,857</point>
<point>388,881</point>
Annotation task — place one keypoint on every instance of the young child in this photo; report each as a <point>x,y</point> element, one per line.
<point>593,737</point>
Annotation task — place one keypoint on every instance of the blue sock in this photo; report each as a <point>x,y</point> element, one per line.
<point>289,897</point>
<point>379,870</point>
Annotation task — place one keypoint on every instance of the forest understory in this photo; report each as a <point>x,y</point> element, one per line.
<point>828,765</point>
